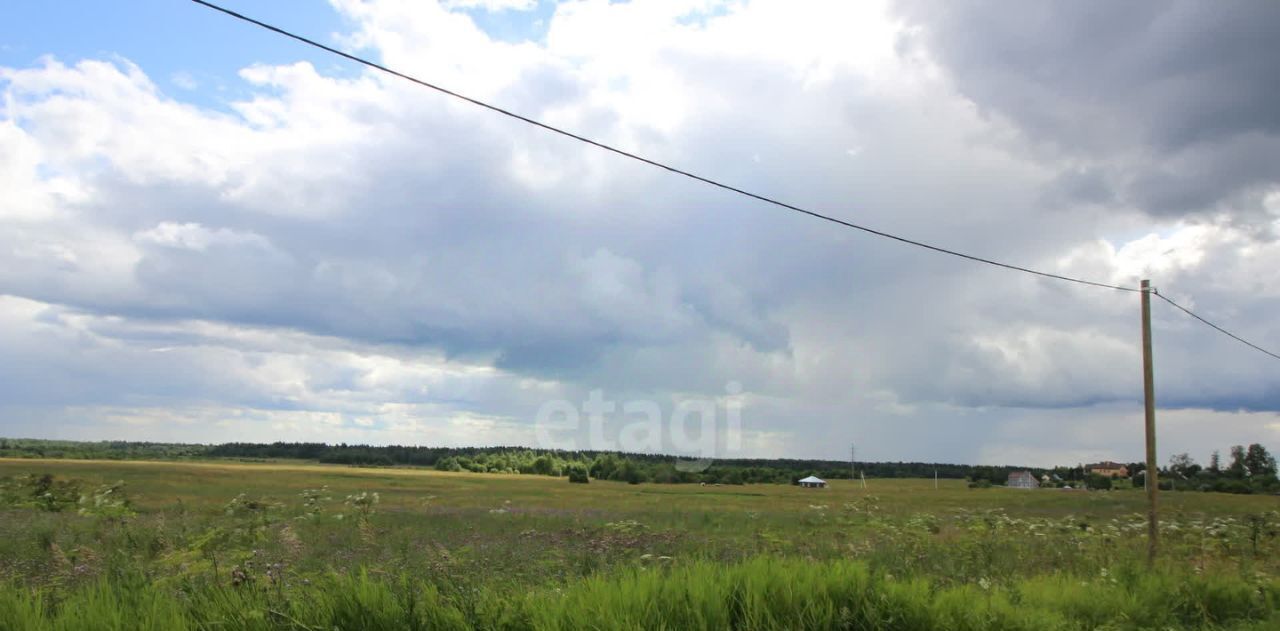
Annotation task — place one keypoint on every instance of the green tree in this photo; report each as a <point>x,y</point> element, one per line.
<point>604,466</point>
<point>1237,468</point>
<point>1258,462</point>
<point>1183,466</point>
<point>542,465</point>
<point>629,473</point>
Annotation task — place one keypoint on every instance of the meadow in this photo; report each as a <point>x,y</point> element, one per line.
<point>282,545</point>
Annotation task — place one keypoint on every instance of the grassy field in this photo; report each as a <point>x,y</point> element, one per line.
<point>298,546</point>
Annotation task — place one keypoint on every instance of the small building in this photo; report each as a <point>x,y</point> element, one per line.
<point>1108,469</point>
<point>813,482</point>
<point>1022,480</point>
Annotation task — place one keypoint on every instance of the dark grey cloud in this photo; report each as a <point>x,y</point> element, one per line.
<point>1176,102</point>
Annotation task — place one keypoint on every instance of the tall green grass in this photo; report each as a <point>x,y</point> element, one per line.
<point>225,547</point>
<point>761,593</point>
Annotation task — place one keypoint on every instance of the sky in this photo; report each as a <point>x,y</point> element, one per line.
<point>210,233</point>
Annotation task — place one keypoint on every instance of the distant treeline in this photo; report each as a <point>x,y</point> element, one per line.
<point>628,467</point>
<point>1250,469</point>
<point>100,450</point>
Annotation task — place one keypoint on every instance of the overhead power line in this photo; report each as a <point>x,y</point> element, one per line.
<point>660,165</point>
<point>706,180</point>
<point>1220,329</point>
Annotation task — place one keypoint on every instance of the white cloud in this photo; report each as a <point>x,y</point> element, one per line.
<point>492,5</point>
<point>361,259</point>
<point>194,236</point>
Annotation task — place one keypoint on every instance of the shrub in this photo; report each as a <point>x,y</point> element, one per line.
<point>578,475</point>
<point>1098,482</point>
<point>108,500</point>
<point>43,492</point>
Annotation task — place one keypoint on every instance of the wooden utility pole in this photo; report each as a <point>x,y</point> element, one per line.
<point>1151,477</point>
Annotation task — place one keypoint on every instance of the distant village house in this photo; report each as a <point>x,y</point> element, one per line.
<point>1022,480</point>
<point>1109,469</point>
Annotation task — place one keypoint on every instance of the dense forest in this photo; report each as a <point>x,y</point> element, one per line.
<point>1251,469</point>
<point>628,467</point>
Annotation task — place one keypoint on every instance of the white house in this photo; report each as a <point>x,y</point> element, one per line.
<point>812,482</point>
<point>1022,480</point>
